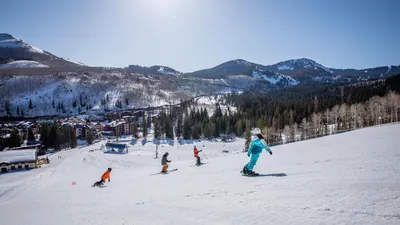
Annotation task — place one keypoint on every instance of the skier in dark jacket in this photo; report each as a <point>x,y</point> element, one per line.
<point>164,163</point>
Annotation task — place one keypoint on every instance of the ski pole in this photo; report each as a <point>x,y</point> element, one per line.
<point>204,154</point>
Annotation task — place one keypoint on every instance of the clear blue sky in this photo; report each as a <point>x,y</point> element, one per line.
<point>194,34</point>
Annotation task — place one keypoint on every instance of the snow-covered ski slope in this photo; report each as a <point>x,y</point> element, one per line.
<point>350,178</point>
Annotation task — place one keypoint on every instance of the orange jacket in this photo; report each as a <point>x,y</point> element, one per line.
<point>106,175</point>
<point>196,152</point>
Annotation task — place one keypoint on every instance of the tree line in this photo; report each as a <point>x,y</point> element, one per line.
<point>310,110</point>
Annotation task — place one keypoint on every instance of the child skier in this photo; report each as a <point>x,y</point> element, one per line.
<point>255,149</point>
<point>164,163</point>
<point>103,178</point>
<point>196,154</point>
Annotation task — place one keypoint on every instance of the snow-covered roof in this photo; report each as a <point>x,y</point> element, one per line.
<point>17,156</point>
<point>115,124</point>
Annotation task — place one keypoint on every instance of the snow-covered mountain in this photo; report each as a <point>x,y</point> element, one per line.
<point>242,71</point>
<point>295,71</point>
<point>12,49</point>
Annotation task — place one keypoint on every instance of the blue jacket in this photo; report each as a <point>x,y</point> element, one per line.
<point>256,147</point>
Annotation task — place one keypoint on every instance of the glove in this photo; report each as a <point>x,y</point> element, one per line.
<point>270,152</point>
<point>248,155</point>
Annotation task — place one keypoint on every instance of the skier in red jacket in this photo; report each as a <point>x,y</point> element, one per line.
<point>196,154</point>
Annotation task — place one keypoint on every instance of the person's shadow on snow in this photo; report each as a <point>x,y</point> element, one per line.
<point>273,175</point>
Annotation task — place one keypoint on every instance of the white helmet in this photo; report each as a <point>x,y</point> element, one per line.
<point>256,131</point>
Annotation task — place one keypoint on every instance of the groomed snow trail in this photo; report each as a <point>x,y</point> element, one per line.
<point>350,178</point>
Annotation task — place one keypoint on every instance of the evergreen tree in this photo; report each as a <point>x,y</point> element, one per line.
<point>31,136</point>
<point>196,131</point>
<point>7,106</point>
<point>179,125</point>
<point>53,104</point>
<point>228,129</point>
<point>15,139</point>
<point>44,135</point>
<point>248,136</point>
<point>135,130</point>
<point>187,130</point>
<point>89,136</point>
<point>18,112</point>
<point>72,134</point>
<point>126,101</point>
<point>208,131</point>
<point>74,104</point>
<point>144,127</point>
<point>157,128</point>
<point>30,104</point>
<point>169,129</point>
<point>239,128</point>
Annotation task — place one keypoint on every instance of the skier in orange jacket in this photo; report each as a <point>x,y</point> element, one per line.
<point>196,154</point>
<point>105,176</point>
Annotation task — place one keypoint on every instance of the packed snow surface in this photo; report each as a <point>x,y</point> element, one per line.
<point>22,64</point>
<point>350,178</point>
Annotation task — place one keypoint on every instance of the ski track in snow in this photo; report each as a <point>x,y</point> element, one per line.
<point>350,178</point>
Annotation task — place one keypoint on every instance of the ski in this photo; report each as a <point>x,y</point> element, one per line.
<point>199,165</point>
<point>173,170</point>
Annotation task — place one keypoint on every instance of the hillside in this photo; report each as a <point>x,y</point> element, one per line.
<point>351,178</point>
<point>12,48</point>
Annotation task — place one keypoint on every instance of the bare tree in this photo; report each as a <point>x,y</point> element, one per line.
<point>334,116</point>
<point>344,117</point>
<point>373,110</point>
<point>316,121</point>
<point>353,117</point>
<point>362,115</point>
<point>287,133</point>
<point>295,131</point>
<point>393,102</point>
<point>304,126</point>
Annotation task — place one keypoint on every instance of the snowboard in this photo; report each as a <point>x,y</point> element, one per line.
<point>250,175</point>
<point>97,184</point>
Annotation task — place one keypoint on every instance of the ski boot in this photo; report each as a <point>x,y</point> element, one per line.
<point>252,173</point>
<point>245,171</point>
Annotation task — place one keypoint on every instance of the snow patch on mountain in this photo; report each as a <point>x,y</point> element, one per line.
<point>285,67</point>
<point>243,62</point>
<point>8,41</point>
<point>165,71</point>
<point>275,78</point>
<point>22,64</point>
<point>388,70</point>
<point>301,63</point>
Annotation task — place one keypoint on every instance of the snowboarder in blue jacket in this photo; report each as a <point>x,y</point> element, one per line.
<point>255,149</point>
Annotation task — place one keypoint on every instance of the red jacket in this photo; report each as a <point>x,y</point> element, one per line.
<point>196,152</point>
